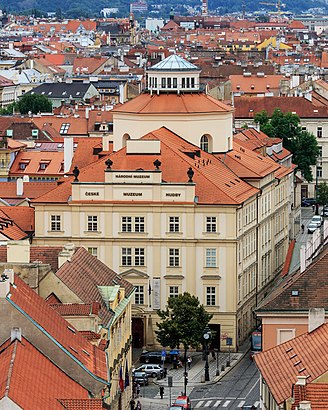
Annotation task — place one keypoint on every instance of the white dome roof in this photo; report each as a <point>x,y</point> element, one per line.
<point>174,63</point>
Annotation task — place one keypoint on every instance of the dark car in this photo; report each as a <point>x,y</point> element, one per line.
<point>151,357</point>
<point>308,201</point>
<point>140,377</point>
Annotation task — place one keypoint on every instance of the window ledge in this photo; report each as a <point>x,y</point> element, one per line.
<point>92,232</point>
<point>174,233</point>
<point>133,233</point>
<point>211,233</point>
<point>50,231</point>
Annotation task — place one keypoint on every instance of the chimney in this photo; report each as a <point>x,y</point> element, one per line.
<point>66,254</point>
<point>301,380</point>
<point>68,152</point>
<point>16,333</point>
<point>19,187</point>
<point>316,318</point>
<point>87,113</point>
<point>31,64</point>
<point>305,405</point>
<point>121,98</point>
<point>6,278</point>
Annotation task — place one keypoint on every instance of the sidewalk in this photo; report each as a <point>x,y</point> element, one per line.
<point>217,369</point>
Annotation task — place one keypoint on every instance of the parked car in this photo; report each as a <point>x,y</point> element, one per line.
<point>305,203</point>
<point>153,370</point>
<point>140,377</point>
<point>151,357</point>
<point>183,401</point>
<point>312,227</point>
<point>324,211</point>
<point>177,407</point>
<point>310,201</point>
<point>317,219</point>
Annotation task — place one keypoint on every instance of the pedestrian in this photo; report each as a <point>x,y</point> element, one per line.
<point>313,207</point>
<point>161,391</point>
<point>132,404</point>
<point>138,405</point>
<point>138,389</point>
<point>189,360</point>
<point>302,228</point>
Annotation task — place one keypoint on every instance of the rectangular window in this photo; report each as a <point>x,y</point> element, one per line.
<point>319,132</point>
<point>55,223</point>
<point>93,251</point>
<point>163,82</point>
<point>175,82</point>
<point>174,257</point>
<point>139,224</point>
<point>319,172</point>
<point>126,256</point>
<point>173,291</point>
<point>211,224</point>
<point>183,83</point>
<point>169,82</point>
<point>210,258</point>
<point>192,82</point>
<point>139,295</point>
<point>126,223</point>
<point>92,223</point>
<point>210,295</point>
<point>139,257</point>
<point>174,224</point>
<point>188,82</point>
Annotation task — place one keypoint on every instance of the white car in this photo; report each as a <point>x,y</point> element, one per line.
<point>312,227</point>
<point>317,219</point>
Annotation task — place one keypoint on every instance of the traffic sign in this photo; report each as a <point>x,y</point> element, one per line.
<point>163,353</point>
<point>229,341</point>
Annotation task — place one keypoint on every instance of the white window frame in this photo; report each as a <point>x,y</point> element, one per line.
<point>139,224</point>
<point>173,291</point>
<point>211,224</point>
<point>174,224</point>
<point>55,223</point>
<point>139,256</point>
<point>210,257</point>
<point>133,256</point>
<point>279,334</point>
<point>93,251</point>
<point>126,223</point>
<point>174,257</point>
<point>210,296</point>
<point>92,223</point>
<point>139,295</point>
<point>126,256</point>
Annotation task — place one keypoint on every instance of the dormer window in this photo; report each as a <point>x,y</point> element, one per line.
<point>238,87</point>
<point>252,86</point>
<point>43,165</point>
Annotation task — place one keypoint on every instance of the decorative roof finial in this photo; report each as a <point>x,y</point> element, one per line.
<point>190,174</point>
<point>109,163</point>
<point>157,163</point>
<point>76,173</point>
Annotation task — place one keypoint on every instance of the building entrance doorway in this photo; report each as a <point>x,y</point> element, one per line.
<point>137,332</point>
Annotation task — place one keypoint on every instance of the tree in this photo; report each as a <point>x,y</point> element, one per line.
<point>183,323</point>
<point>322,194</point>
<point>34,103</point>
<point>302,144</point>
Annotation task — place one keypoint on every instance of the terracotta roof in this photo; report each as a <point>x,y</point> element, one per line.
<point>77,126</point>
<point>255,84</point>
<point>76,309</point>
<point>247,107</point>
<point>32,161</point>
<point>88,65</point>
<point>89,335</point>
<point>81,404</point>
<point>215,182</point>
<point>305,355</point>
<point>173,104</point>
<point>31,190</point>
<point>312,290</point>
<point>296,24</point>
<point>31,380</point>
<point>84,154</point>
<point>84,273</point>
<point>9,229</point>
<point>38,310</point>
<point>317,394</point>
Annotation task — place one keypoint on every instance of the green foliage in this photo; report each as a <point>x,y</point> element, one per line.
<point>302,144</point>
<point>9,110</point>
<point>34,103</point>
<point>322,194</point>
<point>182,323</point>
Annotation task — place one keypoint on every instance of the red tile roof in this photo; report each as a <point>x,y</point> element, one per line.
<point>215,182</point>
<point>23,216</point>
<point>76,309</point>
<point>84,273</point>
<point>9,229</point>
<point>39,311</point>
<point>81,404</point>
<point>31,380</point>
<point>173,104</point>
<point>247,107</point>
<point>88,65</point>
<point>31,190</point>
<point>255,84</point>
<point>305,355</point>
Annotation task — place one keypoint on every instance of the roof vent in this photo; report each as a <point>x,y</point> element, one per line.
<point>260,74</point>
<point>247,74</point>
<point>16,333</point>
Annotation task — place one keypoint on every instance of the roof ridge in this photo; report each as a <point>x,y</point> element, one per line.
<point>11,365</point>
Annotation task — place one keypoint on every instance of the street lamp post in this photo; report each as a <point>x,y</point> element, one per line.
<point>207,337</point>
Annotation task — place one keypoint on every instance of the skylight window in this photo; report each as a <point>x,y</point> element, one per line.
<point>64,128</point>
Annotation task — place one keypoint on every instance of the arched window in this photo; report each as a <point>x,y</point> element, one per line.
<point>124,139</point>
<point>204,143</point>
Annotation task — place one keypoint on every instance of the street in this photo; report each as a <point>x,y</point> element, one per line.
<point>237,388</point>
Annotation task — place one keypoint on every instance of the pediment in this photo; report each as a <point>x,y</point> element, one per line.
<point>134,273</point>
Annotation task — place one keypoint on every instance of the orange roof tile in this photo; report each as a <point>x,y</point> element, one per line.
<point>31,380</point>
<point>76,309</point>
<point>255,84</point>
<point>215,182</point>
<point>88,65</point>
<point>31,190</point>
<point>81,404</point>
<point>23,216</point>
<point>38,310</point>
<point>173,104</point>
<point>33,160</point>
<point>305,355</point>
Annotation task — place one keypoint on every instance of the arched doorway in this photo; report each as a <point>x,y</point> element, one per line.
<point>137,332</point>
<point>124,139</point>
